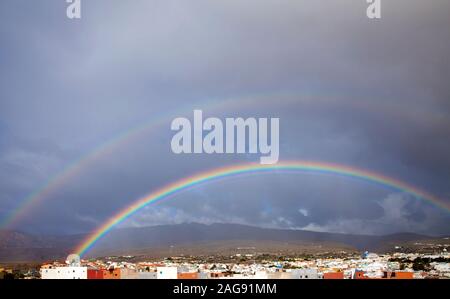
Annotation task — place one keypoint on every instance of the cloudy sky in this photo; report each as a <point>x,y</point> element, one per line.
<point>349,90</point>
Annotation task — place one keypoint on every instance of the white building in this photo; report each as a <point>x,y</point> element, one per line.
<point>147,275</point>
<point>64,273</point>
<point>166,273</point>
<point>305,274</point>
<point>261,274</point>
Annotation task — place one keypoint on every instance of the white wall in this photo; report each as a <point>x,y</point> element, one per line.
<point>305,274</point>
<point>166,272</point>
<point>261,275</point>
<point>64,273</point>
<point>146,275</point>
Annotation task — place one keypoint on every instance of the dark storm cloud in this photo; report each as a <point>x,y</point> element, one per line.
<point>347,90</point>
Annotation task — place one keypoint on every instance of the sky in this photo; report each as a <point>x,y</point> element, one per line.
<point>371,94</point>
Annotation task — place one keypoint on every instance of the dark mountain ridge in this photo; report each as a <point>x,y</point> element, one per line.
<point>19,246</point>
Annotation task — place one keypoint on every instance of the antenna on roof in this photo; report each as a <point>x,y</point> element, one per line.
<point>73,260</point>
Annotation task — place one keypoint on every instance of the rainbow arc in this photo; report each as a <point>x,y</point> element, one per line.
<point>244,169</point>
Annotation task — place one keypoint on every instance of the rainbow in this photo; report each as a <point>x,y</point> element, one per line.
<point>72,170</point>
<point>241,169</point>
<point>75,168</point>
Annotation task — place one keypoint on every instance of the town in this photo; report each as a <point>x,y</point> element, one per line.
<point>247,266</point>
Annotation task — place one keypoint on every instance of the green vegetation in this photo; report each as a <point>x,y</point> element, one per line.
<point>419,263</point>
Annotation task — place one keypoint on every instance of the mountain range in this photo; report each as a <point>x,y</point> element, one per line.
<point>194,238</point>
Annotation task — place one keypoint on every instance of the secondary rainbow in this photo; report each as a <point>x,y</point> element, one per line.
<point>56,182</point>
<point>241,169</point>
<point>72,170</point>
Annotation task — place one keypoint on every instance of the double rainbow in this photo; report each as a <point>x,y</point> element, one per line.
<point>241,169</point>
<point>56,182</point>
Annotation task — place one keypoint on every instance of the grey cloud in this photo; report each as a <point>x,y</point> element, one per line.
<point>372,95</point>
<point>397,212</point>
